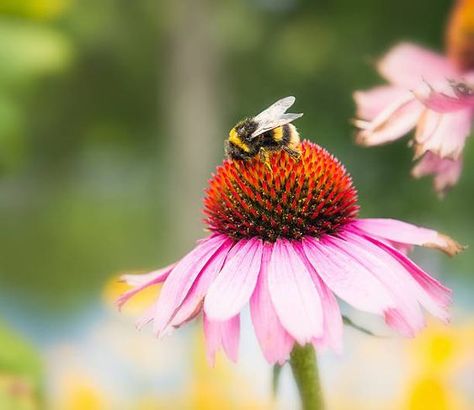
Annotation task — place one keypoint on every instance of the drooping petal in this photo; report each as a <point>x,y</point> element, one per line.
<point>145,318</point>
<point>440,293</point>
<point>293,294</point>
<point>347,278</point>
<point>141,282</point>
<point>234,285</point>
<point>441,102</point>
<point>443,134</point>
<point>158,275</point>
<point>333,326</point>
<point>430,293</point>
<point>192,304</point>
<point>446,171</point>
<point>398,321</point>
<point>405,233</point>
<point>274,340</point>
<point>393,122</point>
<point>181,279</point>
<point>401,286</point>
<point>372,102</point>
<point>225,334</point>
<point>408,64</point>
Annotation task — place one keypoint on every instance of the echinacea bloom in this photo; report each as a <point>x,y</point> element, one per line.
<point>417,77</point>
<point>287,241</point>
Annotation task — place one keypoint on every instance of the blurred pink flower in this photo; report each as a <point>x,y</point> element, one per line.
<point>428,92</point>
<point>422,94</point>
<point>287,241</point>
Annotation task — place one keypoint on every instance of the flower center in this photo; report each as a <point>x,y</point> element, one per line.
<point>312,195</point>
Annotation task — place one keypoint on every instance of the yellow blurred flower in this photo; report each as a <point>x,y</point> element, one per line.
<point>208,388</point>
<point>213,388</point>
<point>114,287</point>
<point>34,9</point>
<point>219,387</point>
<point>439,358</point>
<point>80,393</point>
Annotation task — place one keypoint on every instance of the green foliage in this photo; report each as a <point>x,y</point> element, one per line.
<point>20,372</point>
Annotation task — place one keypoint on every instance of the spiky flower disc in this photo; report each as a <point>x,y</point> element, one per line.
<point>311,196</point>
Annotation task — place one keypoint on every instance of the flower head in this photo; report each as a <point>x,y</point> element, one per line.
<point>425,93</point>
<point>314,196</point>
<point>287,241</point>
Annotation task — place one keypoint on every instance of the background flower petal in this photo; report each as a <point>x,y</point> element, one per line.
<point>370,103</point>
<point>408,64</point>
<point>446,171</point>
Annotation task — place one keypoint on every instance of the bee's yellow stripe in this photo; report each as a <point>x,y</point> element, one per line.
<point>278,134</point>
<point>294,135</point>
<point>235,139</point>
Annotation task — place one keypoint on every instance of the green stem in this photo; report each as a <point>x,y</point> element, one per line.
<point>305,371</point>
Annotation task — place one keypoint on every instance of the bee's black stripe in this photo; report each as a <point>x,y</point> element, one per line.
<point>286,134</point>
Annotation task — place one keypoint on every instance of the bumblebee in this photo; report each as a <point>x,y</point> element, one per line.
<point>271,130</point>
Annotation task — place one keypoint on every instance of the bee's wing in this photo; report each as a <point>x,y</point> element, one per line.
<point>274,116</point>
<point>276,109</point>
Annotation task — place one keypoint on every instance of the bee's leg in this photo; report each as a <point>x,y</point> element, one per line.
<point>265,158</point>
<point>294,152</point>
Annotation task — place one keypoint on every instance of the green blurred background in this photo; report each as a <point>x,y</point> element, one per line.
<point>113,114</point>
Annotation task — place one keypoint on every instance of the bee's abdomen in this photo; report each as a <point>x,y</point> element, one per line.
<point>285,135</point>
<point>290,137</point>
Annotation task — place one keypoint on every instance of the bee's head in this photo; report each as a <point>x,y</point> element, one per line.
<point>238,144</point>
<point>234,151</point>
<point>243,130</point>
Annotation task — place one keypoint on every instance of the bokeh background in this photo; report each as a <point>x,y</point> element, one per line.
<point>113,114</point>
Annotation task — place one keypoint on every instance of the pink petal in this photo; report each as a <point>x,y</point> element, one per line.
<point>393,122</point>
<point>234,285</point>
<point>398,321</point>
<point>192,304</point>
<point>275,342</point>
<point>405,233</point>
<point>448,97</point>
<point>394,278</point>
<point>431,294</point>
<point>293,294</point>
<point>333,326</point>
<point>225,334</point>
<point>182,277</point>
<point>142,282</point>
<point>146,318</point>
<point>443,103</point>
<point>446,171</point>
<point>371,102</point>
<point>443,134</point>
<point>346,277</point>
<point>408,64</point>
<point>157,275</point>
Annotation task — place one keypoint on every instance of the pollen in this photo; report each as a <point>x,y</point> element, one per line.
<point>312,195</point>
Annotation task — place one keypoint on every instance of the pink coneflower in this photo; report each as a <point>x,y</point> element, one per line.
<point>287,241</point>
<point>386,113</point>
